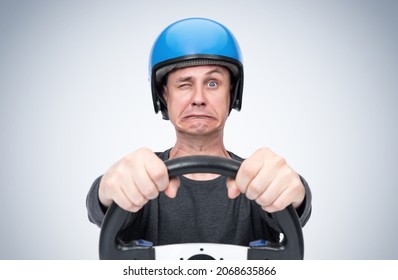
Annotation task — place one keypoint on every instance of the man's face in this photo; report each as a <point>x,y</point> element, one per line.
<point>198,98</point>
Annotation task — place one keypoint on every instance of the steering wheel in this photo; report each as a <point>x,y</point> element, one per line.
<point>291,247</point>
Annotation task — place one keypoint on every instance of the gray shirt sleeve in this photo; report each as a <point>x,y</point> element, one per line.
<point>304,210</point>
<point>95,210</point>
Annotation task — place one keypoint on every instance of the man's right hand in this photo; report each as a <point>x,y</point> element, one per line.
<point>135,179</point>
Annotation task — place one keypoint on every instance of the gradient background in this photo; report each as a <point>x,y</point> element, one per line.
<point>320,89</point>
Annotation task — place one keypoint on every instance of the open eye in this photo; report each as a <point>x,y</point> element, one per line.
<point>212,84</point>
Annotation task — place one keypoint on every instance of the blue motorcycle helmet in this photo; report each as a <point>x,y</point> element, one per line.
<point>194,42</point>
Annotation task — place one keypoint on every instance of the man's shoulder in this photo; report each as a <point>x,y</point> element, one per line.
<point>163,155</point>
<point>235,157</point>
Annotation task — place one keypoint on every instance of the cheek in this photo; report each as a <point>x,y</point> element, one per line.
<point>224,103</point>
<point>175,103</point>
<point>176,106</point>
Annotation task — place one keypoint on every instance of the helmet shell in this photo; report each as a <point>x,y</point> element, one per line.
<point>194,41</point>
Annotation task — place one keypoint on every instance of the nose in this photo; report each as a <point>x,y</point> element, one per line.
<point>198,96</point>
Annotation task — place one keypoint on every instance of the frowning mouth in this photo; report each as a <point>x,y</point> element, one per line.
<point>197,116</point>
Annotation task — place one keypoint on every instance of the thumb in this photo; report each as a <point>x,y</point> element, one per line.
<point>172,188</point>
<point>233,190</point>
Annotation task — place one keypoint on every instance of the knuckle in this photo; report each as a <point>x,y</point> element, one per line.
<point>129,206</point>
<point>158,174</point>
<point>139,201</point>
<point>280,161</point>
<point>245,170</point>
<point>264,150</point>
<point>297,192</point>
<point>125,162</point>
<point>134,157</point>
<point>108,185</point>
<point>259,150</point>
<point>113,178</point>
<point>160,178</point>
<point>264,201</point>
<point>297,187</point>
<point>134,208</point>
<point>143,150</point>
<point>108,180</point>
<point>278,205</point>
<point>150,192</point>
<point>268,209</point>
<point>126,205</point>
<point>263,153</point>
<point>255,189</point>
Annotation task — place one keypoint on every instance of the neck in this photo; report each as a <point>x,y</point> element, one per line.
<point>198,145</point>
<point>187,145</point>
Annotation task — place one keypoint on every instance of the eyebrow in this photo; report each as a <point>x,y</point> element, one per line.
<point>184,79</point>
<point>212,71</point>
<point>217,69</point>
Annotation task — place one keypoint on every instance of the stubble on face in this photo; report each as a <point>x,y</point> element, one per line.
<point>198,99</point>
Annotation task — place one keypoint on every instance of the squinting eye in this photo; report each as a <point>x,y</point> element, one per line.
<point>182,86</point>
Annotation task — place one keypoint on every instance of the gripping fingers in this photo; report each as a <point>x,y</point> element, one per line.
<point>172,188</point>
<point>156,172</point>
<point>233,190</point>
<point>151,177</point>
<point>280,203</point>
<point>280,194</point>
<point>132,202</point>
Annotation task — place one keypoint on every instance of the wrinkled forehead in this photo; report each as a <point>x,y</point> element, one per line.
<point>164,71</point>
<point>199,71</point>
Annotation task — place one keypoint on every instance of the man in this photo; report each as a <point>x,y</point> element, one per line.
<point>197,79</point>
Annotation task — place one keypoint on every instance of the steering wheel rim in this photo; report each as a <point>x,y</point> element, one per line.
<point>291,247</point>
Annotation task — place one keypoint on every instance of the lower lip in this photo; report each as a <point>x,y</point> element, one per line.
<point>197,117</point>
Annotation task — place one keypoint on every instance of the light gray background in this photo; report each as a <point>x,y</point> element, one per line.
<point>320,89</point>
